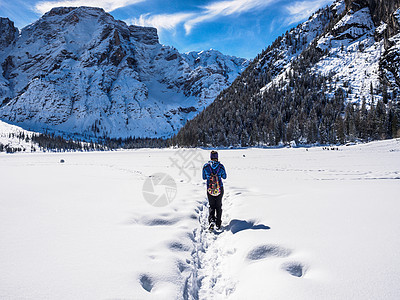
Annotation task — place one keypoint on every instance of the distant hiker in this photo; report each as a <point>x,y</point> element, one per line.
<point>214,171</point>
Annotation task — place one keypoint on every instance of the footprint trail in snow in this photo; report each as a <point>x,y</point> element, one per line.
<point>211,258</point>
<point>214,255</point>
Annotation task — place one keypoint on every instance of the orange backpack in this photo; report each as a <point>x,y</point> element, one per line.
<point>214,188</point>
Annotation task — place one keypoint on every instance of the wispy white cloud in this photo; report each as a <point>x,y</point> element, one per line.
<point>206,13</point>
<point>162,21</point>
<point>235,6</point>
<point>225,8</point>
<point>108,5</point>
<point>301,10</point>
<point>272,26</point>
<point>18,11</point>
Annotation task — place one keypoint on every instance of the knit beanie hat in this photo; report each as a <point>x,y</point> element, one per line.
<point>214,155</point>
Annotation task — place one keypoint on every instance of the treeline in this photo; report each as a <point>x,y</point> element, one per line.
<point>303,112</point>
<point>9,149</point>
<point>304,107</point>
<point>134,143</point>
<point>52,142</point>
<point>56,143</point>
<point>12,149</point>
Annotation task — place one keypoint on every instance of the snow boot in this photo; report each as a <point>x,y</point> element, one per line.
<point>212,226</point>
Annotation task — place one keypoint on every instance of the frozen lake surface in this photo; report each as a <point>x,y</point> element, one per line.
<point>297,224</point>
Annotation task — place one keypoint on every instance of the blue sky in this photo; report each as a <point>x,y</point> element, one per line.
<point>235,27</point>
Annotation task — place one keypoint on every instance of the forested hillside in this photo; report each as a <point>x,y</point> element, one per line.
<point>340,86</point>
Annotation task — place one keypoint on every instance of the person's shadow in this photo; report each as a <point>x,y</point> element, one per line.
<point>238,225</point>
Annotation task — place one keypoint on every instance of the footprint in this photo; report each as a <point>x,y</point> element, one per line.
<point>177,246</point>
<point>146,282</point>
<point>294,268</point>
<point>131,221</point>
<point>230,251</point>
<point>159,221</point>
<point>264,251</point>
<point>182,266</point>
<point>191,236</point>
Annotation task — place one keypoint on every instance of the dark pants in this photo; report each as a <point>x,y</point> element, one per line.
<point>215,210</point>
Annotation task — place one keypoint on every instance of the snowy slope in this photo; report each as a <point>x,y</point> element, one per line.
<point>354,55</point>
<point>12,136</point>
<point>80,71</point>
<point>357,55</point>
<point>298,224</point>
<point>286,49</point>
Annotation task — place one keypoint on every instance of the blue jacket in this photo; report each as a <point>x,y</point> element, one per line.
<point>214,165</point>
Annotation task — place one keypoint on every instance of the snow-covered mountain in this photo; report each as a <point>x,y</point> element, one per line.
<point>80,71</point>
<point>333,78</point>
<point>277,58</point>
<point>359,44</point>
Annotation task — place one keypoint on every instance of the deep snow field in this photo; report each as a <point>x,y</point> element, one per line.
<point>297,224</point>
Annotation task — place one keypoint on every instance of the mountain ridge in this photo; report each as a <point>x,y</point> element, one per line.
<point>78,71</point>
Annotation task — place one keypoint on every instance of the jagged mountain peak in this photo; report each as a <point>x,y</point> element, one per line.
<point>78,70</point>
<point>146,35</point>
<point>216,61</point>
<point>64,16</point>
<point>8,32</point>
<point>204,56</point>
<point>76,22</point>
<point>61,11</point>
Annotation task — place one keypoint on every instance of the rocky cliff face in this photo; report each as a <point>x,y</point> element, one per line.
<point>359,49</point>
<point>80,71</point>
<point>8,33</point>
<point>381,10</point>
<point>390,62</point>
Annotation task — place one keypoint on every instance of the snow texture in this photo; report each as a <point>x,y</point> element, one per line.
<point>353,55</point>
<point>297,224</point>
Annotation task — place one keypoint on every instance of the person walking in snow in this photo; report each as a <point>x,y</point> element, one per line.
<point>214,172</point>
